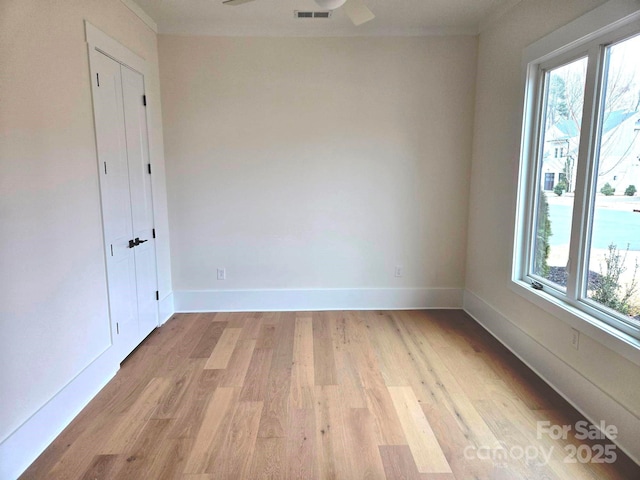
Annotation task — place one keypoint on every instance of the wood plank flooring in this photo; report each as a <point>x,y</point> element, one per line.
<point>346,395</point>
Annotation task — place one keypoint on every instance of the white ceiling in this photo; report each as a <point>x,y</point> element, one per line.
<point>276,17</point>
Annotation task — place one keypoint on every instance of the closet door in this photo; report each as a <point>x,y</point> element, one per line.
<point>125,185</point>
<point>116,202</point>
<point>141,201</point>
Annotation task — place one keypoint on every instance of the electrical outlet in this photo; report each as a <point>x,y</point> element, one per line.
<point>575,338</point>
<point>398,271</point>
<point>222,274</point>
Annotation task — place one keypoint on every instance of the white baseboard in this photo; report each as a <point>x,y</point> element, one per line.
<point>317,299</point>
<point>166,308</point>
<point>26,443</point>
<point>595,404</point>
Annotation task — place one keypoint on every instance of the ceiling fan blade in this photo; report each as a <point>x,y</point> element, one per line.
<point>358,12</point>
<point>236,2</point>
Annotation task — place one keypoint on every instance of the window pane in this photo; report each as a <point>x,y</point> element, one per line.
<point>614,251</point>
<point>560,139</point>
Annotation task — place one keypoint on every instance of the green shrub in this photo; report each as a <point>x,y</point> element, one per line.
<point>543,232</point>
<point>609,291</point>
<point>560,188</point>
<point>607,190</point>
<point>630,191</point>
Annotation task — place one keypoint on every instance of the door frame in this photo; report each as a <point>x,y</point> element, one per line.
<point>99,42</point>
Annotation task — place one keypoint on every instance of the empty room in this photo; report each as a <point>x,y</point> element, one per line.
<point>319,239</point>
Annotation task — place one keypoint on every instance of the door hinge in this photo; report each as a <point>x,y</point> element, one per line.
<point>153,232</point>
<point>149,168</point>
<point>117,328</point>
<point>98,78</point>
<point>112,249</point>
<point>144,100</point>
<point>157,295</point>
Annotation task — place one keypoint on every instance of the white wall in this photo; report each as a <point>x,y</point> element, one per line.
<point>317,163</point>
<point>499,100</point>
<point>53,297</point>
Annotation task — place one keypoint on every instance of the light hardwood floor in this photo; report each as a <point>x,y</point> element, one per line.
<point>345,395</point>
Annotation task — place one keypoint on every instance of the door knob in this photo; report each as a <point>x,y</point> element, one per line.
<point>132,244</point>
<point>138,241</point>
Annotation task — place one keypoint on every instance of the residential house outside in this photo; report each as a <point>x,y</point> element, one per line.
<point>619,155</point>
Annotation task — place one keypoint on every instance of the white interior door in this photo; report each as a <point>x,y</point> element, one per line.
<point>141,200</point>
<point>121,135</point>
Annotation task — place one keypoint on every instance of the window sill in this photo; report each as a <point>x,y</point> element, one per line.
<point>617,341</point>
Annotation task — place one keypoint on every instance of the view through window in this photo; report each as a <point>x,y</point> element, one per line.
<point>587,167</point>
<point>564,100</point>
<point>614,250</point>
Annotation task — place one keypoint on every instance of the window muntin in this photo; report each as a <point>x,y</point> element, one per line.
<point>580,177</point>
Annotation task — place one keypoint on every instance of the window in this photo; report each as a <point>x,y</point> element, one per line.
<point>548,181</point>
<point>578,240</point>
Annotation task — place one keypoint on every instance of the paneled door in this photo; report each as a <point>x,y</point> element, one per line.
<point>135,118</point>
<point>127,210</point>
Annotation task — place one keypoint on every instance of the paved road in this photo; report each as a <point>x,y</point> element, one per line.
<point>610,226</point>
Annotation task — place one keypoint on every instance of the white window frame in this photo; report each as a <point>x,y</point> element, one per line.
<point>613,21</point>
